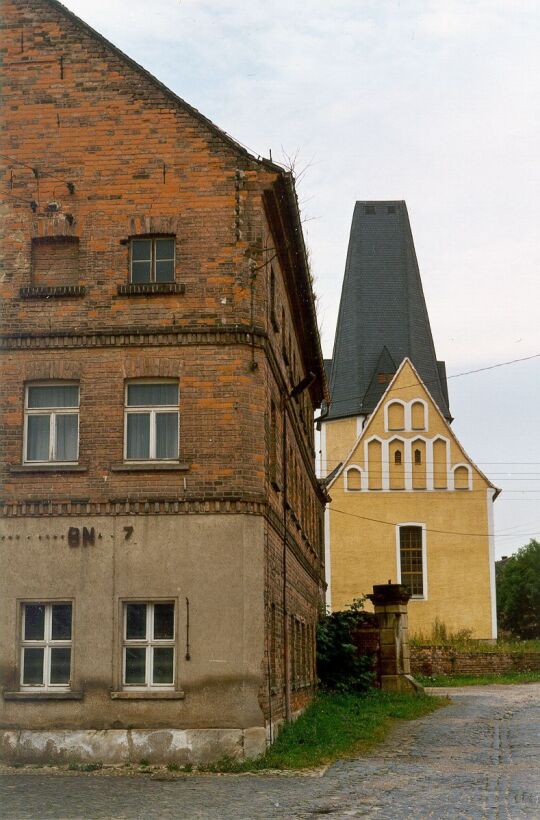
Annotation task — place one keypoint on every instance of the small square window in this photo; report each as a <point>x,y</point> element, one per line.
<point>51,423</point>
<point>149,645</point>
<point>391,209</point>
<point>46,646</point>
<point>152,259</point>
<point>369,210</point>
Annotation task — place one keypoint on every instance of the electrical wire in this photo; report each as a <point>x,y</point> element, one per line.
<point>437,380</point>
<point>442,532</point>
<point>37,173</point>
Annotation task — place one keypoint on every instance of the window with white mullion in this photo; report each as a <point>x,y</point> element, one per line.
<point>51,423</point>
<point>152,421</point>
<point>149,645</point>
<point>46,646</point>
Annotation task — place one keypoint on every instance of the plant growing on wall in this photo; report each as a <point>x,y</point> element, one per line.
<point>341,667</point>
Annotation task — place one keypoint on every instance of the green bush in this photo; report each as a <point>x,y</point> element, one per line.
<point>340,666</point>
<point>518,592</point>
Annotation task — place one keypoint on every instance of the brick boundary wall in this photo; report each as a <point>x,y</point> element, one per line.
<point>435,660</point>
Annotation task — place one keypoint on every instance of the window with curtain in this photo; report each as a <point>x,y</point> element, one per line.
<point>151,424</point>
<point>51,423</point>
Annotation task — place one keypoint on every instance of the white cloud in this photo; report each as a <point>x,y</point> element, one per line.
<point>435,103</point>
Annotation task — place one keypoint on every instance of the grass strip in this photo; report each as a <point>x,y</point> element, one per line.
<point>478,680</point>
<point>335,726</point>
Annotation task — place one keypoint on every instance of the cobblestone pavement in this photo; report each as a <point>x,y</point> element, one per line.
<point>477,758</point>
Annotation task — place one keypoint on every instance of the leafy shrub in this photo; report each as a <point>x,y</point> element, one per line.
<point>340,666</point>
<point>518,592</point>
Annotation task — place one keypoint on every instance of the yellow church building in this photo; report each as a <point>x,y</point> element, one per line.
<point>408,504</point>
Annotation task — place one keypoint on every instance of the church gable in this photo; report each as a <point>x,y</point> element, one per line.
<point>408,445</point>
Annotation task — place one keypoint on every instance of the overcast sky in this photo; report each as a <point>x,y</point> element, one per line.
<point>436,103</point>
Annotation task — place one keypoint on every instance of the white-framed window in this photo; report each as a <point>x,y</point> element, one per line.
<point>412,558</point>
<point>151,421</point>
<point>152,259</point>
<point>148,645</point>
<point>46,643</point>
<point>51,423</point>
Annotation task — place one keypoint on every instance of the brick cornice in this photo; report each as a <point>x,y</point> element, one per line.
<point>156,505</point>
<point>152,505</point>
<point>148,336</point>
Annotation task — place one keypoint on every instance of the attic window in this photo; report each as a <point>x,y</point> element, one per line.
<point>152,259</point>
<point>391,209</point>
<point>385,378</point>
<point>369,210</point>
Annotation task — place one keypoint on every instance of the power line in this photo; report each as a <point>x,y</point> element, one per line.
<point>40,174</point>
<point>438,381</point>
<point>442,532</point>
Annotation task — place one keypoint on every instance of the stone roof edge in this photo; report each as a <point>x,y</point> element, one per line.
<point>236,146</point>
<point>372,415</point>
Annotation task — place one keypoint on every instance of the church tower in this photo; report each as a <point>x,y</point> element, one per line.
<point>408,504</point>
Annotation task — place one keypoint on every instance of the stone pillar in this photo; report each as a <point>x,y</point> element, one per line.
<point>390,603</point>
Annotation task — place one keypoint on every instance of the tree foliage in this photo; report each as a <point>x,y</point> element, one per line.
<point>518,592</point>
<point>340,666</point>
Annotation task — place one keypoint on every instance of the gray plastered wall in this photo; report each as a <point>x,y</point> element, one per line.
<point>216,561</point>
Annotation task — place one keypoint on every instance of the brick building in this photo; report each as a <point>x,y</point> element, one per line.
<point>162,559</point>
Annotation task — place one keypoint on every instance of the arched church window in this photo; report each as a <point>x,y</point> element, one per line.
<point>417,457</point>
<point>354,479</point>
<point>461,478</point>
<point>397,457</point>
<point>418,418</point>
<point>396,416</point>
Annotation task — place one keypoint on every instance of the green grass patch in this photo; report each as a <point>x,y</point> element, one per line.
<point>478,680</point>
<point>336,726</point>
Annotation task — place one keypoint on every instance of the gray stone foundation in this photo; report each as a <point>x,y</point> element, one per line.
<point>180,746</point>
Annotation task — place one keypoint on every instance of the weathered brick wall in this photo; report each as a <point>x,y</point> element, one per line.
<point>55,260</point>
<point>428,660</point>
<point>302,610</point>
<point>120,157</point>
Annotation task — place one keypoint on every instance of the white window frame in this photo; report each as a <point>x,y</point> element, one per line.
<point>153,256</point>
<point>46,644</point>
<point>363,479</point>
<point>51,412</point>
<point>387,406</point>
<point>152,410</point>
<point>422,526</point>
<point>149,643</point>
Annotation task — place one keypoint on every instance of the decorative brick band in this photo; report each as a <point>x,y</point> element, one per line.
<point>133,337</point>
<point>125,506</point>
<point>57,292</point>
<point>150,288</point>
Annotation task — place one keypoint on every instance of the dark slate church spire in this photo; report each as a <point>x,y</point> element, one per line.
<point>382,315</point>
